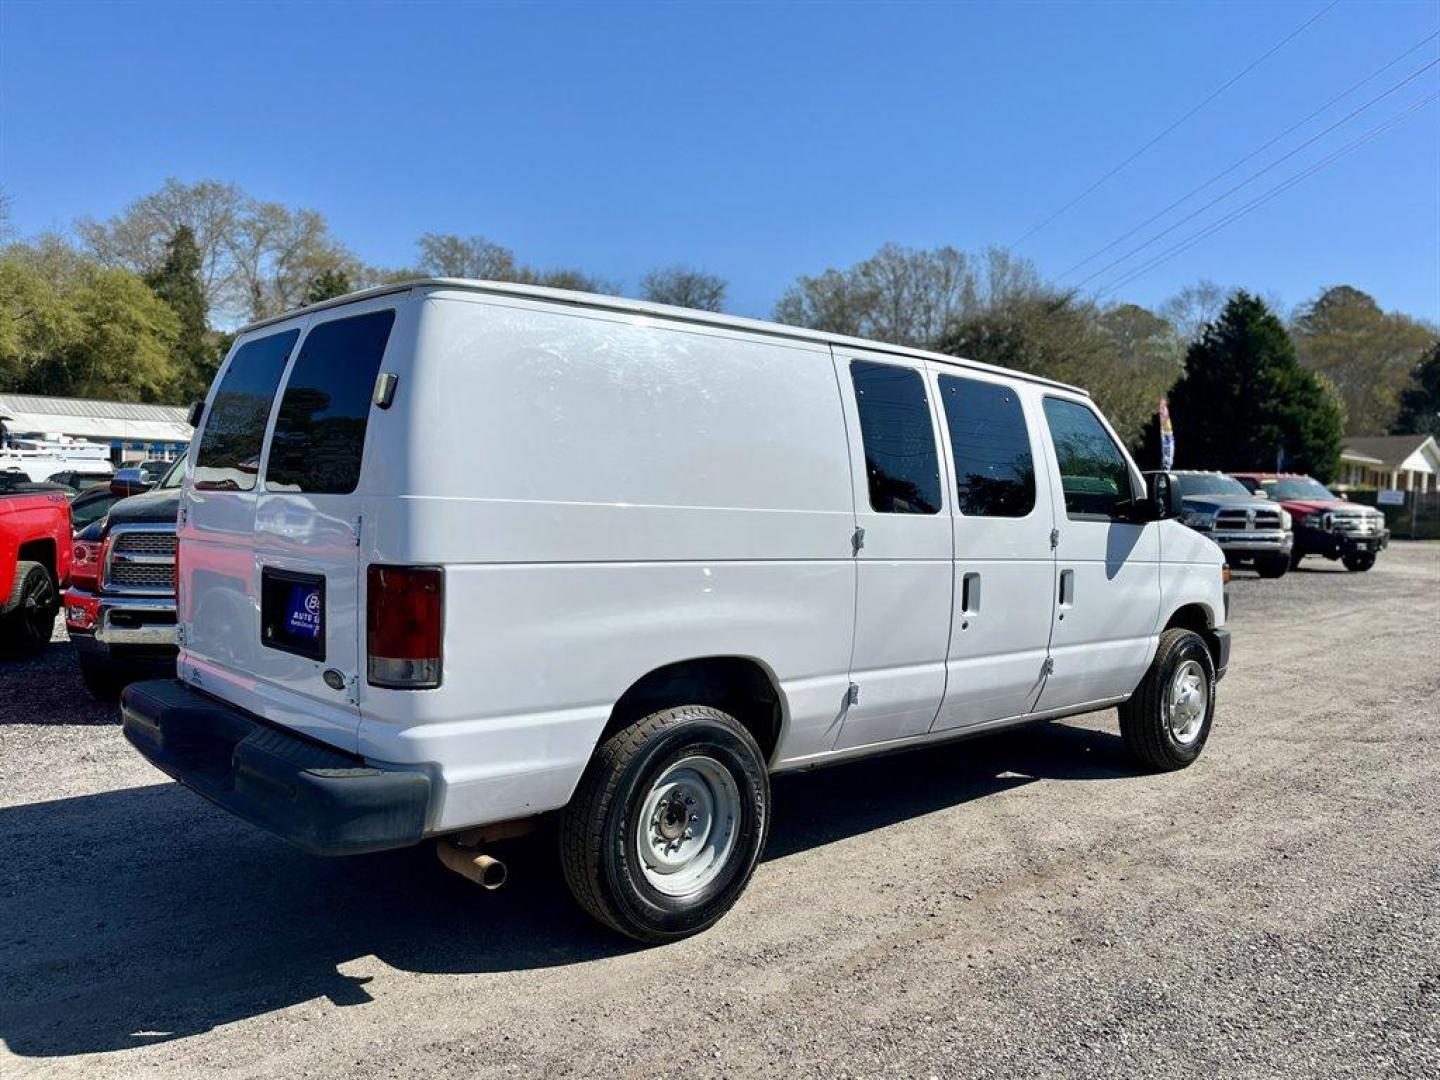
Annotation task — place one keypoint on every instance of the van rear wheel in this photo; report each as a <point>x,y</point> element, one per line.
<point>667,824</point>
<point>1167,720</point>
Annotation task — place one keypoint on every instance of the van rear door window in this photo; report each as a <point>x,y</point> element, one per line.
<point>229,454</point>
<point>320,432</point>
<point>901,463</point>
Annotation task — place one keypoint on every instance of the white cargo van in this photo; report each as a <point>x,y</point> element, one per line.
<point>455,555</point>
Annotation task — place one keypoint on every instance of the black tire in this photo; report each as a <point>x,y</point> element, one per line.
<point>1358,563</point>
<point>598,851</point>
<point>1273,567</point>
<point>100,677</point>
<point>1144,720</point>
<point>29,619</point>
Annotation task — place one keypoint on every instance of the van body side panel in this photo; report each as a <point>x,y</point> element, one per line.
<point>607,494</point>
<point>1189,573</point>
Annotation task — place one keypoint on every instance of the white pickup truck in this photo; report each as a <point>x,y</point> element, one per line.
<point>454,555</point>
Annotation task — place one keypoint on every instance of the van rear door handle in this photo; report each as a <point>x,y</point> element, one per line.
<point>1067,587</point>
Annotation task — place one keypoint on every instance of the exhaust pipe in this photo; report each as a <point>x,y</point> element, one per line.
<point>484,870</point>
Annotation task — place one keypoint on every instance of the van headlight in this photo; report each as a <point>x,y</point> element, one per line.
<point>1197,519</point>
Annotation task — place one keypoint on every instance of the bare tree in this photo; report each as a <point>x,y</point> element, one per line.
<point>447,255</point>
<point>683,287</point>
<point>1194,306</point>
<point>136,238</point>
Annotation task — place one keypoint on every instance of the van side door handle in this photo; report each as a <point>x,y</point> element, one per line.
<point>1067,587</point>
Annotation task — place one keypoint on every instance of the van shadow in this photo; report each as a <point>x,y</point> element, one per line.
<point>143,915</point>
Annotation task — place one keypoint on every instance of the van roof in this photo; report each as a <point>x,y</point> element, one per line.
<point>645,307</point>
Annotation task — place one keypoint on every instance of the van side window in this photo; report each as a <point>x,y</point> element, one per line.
<point>1093,472</point>
<point>994,472</point>
<point>320,432</point>
<point>901,463</point>
<point>229,454</point>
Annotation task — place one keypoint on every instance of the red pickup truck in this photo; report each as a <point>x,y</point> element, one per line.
<point>35,550</point>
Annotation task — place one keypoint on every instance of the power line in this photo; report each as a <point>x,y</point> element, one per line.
<point>1226,86</point>
<point>1256,175</point>
<point>1253,154</point>
<point>1265,197</point>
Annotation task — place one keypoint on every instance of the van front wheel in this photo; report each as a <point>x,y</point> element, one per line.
<point>1167,720</point>
<point>667,824</point>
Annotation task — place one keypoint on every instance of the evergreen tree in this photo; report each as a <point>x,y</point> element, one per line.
<point>327,285</point>
<point>177,283</point>
<point>1420,400</point>
<point>1245,403</point>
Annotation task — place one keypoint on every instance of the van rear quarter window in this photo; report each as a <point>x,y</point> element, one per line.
<point>901,463</point>
<point>229,454</point>
<point>320,431</point>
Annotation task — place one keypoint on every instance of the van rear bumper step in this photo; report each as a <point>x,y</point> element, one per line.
<point>318,798</point>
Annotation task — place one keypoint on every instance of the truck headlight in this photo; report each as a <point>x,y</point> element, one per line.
<point>1197,519</point>
<point>1285,519</point>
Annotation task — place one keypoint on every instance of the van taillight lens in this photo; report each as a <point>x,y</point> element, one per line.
<point>85,559</point>
<point>403,624</point>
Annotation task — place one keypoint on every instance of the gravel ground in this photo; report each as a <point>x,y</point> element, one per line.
<point>1023,904</point>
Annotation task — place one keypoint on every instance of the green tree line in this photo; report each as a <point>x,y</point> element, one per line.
<point>135,307</point>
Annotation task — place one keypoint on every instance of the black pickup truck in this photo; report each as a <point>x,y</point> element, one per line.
<point>120,608</point>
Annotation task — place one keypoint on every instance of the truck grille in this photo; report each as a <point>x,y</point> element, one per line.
<point>1242,520</point>
<point>141,560</point>
<point>1357,524</point>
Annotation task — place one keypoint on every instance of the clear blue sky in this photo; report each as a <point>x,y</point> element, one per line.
<point>760,142</point>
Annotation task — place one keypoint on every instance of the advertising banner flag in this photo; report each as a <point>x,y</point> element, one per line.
<point>1167,437</point>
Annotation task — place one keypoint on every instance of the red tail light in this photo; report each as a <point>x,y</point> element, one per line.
<point>86,556</point>
<point>403,625</point>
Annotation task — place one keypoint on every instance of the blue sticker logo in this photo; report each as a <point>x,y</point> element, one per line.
<point>303,617</point>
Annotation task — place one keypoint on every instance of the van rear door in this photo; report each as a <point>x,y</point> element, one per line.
<point>272,607</point>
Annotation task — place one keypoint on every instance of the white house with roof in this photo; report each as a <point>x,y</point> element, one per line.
<point>1396,462</point>
<point>132,431</point>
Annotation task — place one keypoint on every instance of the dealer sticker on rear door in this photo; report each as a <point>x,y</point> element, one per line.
<point>304,612</point>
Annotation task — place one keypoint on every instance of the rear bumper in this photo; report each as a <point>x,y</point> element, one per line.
<point>314,796</point>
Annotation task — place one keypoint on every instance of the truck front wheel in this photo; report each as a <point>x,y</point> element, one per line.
<point>1167,720</point>
<point>100,677</point>
<point>667,824</point>
<point>1358,563</point>
<point>1273,566</point>
<point>29,612</point>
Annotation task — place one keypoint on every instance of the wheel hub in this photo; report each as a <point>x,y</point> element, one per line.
<point>1187,701</point>
<point>687,826</point>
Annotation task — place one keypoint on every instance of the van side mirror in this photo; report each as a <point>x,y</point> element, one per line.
<point>196,413</point>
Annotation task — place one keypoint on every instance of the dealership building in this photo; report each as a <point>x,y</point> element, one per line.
<point>133,432</point>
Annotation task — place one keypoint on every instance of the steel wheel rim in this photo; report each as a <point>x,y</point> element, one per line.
<point>1187,701</point>
<point>688,825</point>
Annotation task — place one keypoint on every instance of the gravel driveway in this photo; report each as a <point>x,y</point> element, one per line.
<point>1022,904</point>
